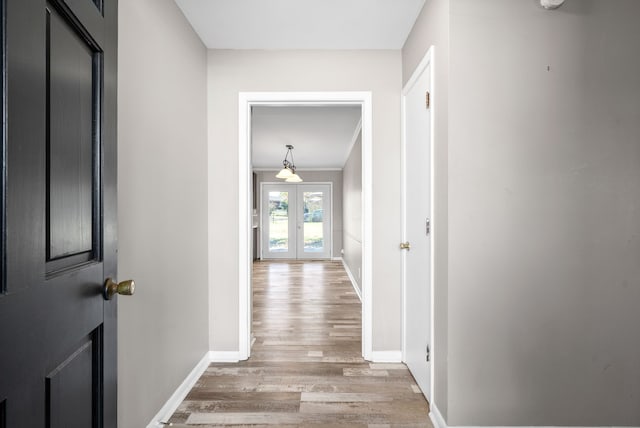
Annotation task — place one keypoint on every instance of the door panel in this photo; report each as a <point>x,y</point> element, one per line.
<point>314,221</point>
<point>72,131</point>
<point>57,359</point>
<point>278,222</point>
<point>417,260</point>
<point>73,385</point>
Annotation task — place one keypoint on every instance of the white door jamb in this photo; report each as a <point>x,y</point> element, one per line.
<point>245,101</point>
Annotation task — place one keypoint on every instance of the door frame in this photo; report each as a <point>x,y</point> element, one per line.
<point>427,60</point>
<point>246,100</point>
<point>261,221</point>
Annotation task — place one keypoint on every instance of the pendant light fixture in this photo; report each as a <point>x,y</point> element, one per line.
<point>288,172</point>
<point>295,178</point>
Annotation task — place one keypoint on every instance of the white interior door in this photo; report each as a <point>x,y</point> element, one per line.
<point>296,221</point>
<point>417,213</point>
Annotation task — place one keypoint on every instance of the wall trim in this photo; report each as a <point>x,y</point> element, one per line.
<point>386,356</point>
<point>436,416</point>
<point>180,393</point>
<point>439,422</point>
<point>246,100</point>
<point>354,283</point>
<point>333,169</point>
<point>354,138</point>
<point>224,356</point>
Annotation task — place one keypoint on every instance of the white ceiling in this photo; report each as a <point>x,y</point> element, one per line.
<point>321,135</point>
<point>302,24</point>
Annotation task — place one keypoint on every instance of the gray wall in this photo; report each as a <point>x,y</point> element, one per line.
<point>334,177</point>
<point>162,205</point>
<point>432,29</point>
<point>352,211</point>
<point>544,213</point>
<point>234,71</point>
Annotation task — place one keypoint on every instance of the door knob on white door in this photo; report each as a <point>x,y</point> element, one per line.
<point>405,246</point>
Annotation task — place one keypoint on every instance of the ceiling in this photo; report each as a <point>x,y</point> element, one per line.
<point>302,24</point>
<point>321,135</point>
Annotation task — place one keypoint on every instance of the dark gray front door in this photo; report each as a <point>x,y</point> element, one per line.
<point>57,333</point>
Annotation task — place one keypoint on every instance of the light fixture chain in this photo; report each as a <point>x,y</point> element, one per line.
<point>289,171</point>
<point>293,165</point>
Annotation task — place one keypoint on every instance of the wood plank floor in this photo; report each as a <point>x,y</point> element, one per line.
<point>306,367</point>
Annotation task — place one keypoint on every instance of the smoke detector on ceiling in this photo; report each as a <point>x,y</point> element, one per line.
<point>551,4</point>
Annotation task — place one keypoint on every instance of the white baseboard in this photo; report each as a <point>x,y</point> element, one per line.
<point>181,392</point>
<point>436,416</point>
<point>336,259</point>
<point>354,283</point>
<point>438,422</point>
<point>386,356</point>
<point>224,356</point>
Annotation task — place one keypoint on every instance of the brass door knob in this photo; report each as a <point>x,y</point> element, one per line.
<point>125,288</point>
<point>405,246</point>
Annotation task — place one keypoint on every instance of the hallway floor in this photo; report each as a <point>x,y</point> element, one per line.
<point>306,366</point>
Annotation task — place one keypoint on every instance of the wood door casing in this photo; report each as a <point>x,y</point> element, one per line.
<point>58,334</point>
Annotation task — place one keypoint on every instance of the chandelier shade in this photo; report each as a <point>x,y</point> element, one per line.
<point>295,178</point>
<point>284,173</point>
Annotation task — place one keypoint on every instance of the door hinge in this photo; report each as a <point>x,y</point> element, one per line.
<point>428,227</point>
<point>428,100</point>
<point>428,353</point>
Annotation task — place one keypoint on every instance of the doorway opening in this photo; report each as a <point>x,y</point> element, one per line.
<point>247,102</point>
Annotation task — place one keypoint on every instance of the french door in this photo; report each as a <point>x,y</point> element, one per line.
<point>296,221</point>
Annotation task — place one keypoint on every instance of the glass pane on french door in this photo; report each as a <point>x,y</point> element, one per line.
<point>278,221</point>
<point>313,237</point>
<point>314,217</point>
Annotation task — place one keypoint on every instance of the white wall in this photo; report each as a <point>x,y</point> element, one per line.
<point>231,72</point>
<point>544,213</point>
<point>352,211</point>
<point>432,29</point>
<point>162,205</point>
